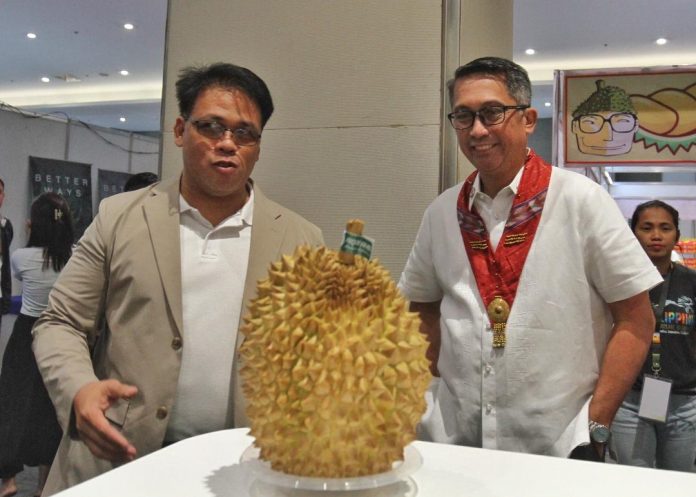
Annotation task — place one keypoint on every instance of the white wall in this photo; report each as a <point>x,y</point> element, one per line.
<point>356,86</point>
<point>21,137</point>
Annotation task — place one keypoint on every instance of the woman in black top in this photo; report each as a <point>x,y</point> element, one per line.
<point>646,441</point>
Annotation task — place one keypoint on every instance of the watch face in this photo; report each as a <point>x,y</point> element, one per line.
<point>600,434</point>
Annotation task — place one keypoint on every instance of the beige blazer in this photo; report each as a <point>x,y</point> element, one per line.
<point>116,312</point>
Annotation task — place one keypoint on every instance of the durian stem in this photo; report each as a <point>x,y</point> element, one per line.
<point>354,226</point>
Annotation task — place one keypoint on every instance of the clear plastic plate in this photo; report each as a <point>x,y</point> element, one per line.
<point>401,470</point>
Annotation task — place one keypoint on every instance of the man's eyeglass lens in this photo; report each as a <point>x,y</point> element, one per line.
<point>620,123</point>
<point>495,114</point>
<point>214,130</point>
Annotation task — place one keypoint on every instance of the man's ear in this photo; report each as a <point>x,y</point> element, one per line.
<point>530,119</point>
<point>179,131</point>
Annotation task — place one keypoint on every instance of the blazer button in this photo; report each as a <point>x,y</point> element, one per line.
<point>176,343</point>
<point>162,412</point>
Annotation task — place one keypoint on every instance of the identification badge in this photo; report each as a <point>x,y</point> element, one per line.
<point>654,399</point>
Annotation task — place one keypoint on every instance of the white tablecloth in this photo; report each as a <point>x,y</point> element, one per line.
<point>208,466</point>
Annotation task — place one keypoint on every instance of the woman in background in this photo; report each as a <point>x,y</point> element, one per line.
<point>29,430</point>
<point>645,441</point>
<point>6,234</point>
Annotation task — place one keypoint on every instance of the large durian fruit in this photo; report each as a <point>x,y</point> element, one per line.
<point>334,367</point>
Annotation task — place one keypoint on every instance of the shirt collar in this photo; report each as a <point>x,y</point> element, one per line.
<point>243,217</point>
<point>476,187</point>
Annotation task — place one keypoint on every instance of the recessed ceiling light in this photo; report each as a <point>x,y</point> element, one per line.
<point>122,119</point>
<point>124,73</point>
<point>45,79</point>
<point>661,41</point>
<point>530,51</point>
<point>128,26</point>
<point>547,104</point>
<point>31,36</point>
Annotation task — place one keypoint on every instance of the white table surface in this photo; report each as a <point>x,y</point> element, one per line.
<point>208,466</point>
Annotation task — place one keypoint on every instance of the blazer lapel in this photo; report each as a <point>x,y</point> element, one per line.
<point>161,211</point>
<point>267,235</point>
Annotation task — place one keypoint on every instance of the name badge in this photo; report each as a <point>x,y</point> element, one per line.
<point>654,399</point>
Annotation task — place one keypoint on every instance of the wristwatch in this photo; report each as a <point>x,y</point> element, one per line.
<point>599,433</point>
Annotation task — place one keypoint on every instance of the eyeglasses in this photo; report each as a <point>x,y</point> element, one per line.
<point>491,115</point>
<point>244,137</point>
<point>622,122</point>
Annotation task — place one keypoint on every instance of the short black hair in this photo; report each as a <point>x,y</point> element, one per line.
<point>140,180</point>
<point>194,80</point>
<point>515,76</point>
<point>655,204</point>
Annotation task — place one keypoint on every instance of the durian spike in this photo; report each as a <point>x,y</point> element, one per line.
<point>354,226</point>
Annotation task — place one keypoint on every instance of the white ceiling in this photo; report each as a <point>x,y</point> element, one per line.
<point>592,34</point>
<point>86,39</point>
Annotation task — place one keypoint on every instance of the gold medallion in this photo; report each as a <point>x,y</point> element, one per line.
<point>498,312</point>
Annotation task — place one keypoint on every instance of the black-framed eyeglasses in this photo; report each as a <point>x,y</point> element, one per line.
<point>621,122</point>
<point>489,116</point>
<point>244,137</point>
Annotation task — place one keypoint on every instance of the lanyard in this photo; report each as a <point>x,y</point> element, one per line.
<point>658,309</point>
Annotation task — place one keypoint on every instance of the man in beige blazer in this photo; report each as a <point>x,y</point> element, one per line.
<point>122,319</point>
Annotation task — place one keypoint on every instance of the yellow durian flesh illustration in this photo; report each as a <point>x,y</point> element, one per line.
<point>334,367</point>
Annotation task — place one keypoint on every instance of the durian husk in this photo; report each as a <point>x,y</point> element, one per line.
<point>334,367</point>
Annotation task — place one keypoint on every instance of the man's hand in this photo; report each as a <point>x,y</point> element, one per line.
<point>102,439</point>
<point>601,450</point>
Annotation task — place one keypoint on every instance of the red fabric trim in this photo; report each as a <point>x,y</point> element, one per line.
<point>498,274</point>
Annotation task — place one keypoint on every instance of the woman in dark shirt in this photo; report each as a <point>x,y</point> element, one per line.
<point>639,438</point>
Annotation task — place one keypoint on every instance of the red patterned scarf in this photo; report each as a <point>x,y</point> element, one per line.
<point>498,273</point>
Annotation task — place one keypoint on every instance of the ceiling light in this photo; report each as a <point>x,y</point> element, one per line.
<point>31,36</point>
<point>122,119</point>
<point>45,79</point>
<point>124,73</point>
<point>68,78</point>
<point>661,41</point>
<point>530,51</point>
<point>128,26</point>
<point>547,104</point>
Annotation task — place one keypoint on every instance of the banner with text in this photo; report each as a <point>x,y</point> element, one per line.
<point>110,183</point>
<point>71,180</point>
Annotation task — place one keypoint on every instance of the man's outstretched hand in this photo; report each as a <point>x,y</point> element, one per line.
<point>102,439</point>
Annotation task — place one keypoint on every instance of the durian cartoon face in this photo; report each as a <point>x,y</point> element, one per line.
<point>605,132</point>
<point>605,123</point>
